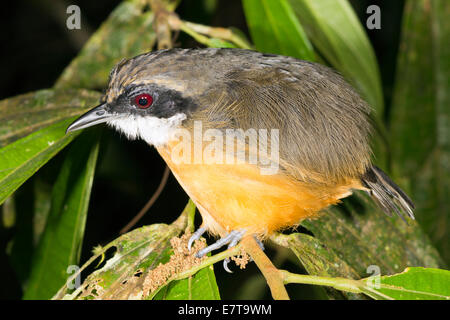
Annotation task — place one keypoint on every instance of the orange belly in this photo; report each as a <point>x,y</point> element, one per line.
<point>237,196</point>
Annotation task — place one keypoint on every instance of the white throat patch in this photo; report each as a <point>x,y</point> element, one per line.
<point>155,131</point>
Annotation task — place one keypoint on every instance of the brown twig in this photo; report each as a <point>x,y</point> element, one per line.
<point>161,10</point>
<point>161,26</point>
<point>273,276</point>
<point>150,202</point>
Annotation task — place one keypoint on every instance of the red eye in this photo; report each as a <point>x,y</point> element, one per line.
<point>143,101</point>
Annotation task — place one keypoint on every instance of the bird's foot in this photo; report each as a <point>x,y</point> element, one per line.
<point>195,236</point>
<point>232,243</point>
<point>231,239</point>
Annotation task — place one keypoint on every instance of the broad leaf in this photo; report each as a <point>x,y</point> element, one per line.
<point>356,238</point>
<point>420,123</point>
<point>61,241</point>
<point>275,28</point>
<point>318,259</point>
<point>129,273</point>
<point>21,159</point>
<point>411,284</point>
<point>125,34</point>
<point>29,112</point>
<point>361,235</point>
<point>202,286</point>
<point>31,208</point>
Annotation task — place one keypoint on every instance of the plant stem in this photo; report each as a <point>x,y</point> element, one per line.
<point>206,34</point>
<point>162,10</point>
<point>190,208</point>
<point>342,284</point>
<point>221,33</point>
<point>208,261</point>
<point>273,276</point>
<point>149,203</point>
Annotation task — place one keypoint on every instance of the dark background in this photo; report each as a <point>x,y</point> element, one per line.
<point>36,47</point>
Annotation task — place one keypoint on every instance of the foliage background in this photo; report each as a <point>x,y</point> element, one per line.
<point>37,47</point>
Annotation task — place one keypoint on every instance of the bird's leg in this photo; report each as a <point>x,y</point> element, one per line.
<point>231,245</point>
<point>195,236</point>
<point>259,242</point>
<point>232,238</point>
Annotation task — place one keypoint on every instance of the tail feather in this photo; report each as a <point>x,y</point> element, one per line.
<point>386,193</point>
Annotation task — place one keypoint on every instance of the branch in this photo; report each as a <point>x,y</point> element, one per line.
<point>207,35</point>
<point>274,277</point>
<point>149,203</point>
<point>162,10</point>
<point>342,284</point>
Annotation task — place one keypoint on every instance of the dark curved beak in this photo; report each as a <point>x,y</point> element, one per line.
<point>95,116</point>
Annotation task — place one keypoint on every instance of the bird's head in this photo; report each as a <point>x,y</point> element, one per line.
<point>151,94</point>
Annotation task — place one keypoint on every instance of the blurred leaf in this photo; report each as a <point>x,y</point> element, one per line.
<point>60,245</point>
<point>125,275</point>
<point>320,260</point>
<point>350,239</point>
<point>32,205</point>
<point>420,123</point>
<point>334,29</point>
<point>42,206</point>
<point>275,28</point>
<point>29,112</point>
<point>253,287</point>
<point>358,235</point>
<point>21,159</point>
<point>219,43</point>
<point>125,34</point>
<point>412,284</point>
<point>8,213</point>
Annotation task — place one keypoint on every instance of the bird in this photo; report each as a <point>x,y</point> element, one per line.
<point>209,112</point>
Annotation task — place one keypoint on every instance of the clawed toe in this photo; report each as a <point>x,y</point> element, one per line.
<point>225,265</point>
<point>195,236</point>
<point>232,239</point>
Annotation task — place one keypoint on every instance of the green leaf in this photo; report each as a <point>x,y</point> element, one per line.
<point>201,286</point>
<point>275,28</point>
<point>420,123</point>
<point>126,33</point>
<point>318,259</point>
<point>126,275</point>
<point>121,277</point>
<point>29,112</point>
<point>334,29</point>
<point>362,235</point>
<point>351,238</point>
<point>60,245</point>
<point>32,206</point>
<point>411,284</point>
<point>21,159</point>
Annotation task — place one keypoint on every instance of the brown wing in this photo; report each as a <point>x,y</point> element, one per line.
<point>322,122</point>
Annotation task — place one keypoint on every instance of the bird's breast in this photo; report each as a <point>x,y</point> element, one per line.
<point>238,196</point>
